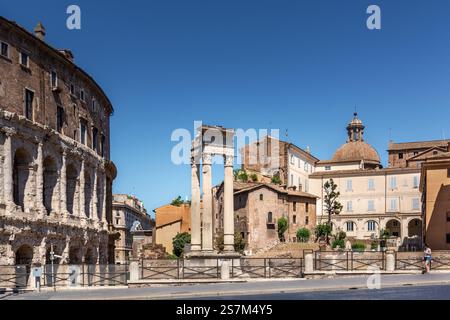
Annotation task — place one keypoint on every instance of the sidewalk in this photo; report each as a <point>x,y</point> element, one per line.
<point>237,289</point>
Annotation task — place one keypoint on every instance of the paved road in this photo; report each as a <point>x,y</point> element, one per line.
<point>436,292</point>
<point>287,289</point>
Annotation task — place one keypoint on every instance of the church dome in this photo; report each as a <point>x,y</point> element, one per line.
<point>356,149</point>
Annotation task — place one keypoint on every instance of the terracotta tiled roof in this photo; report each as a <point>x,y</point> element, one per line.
<point>249,186</point>
<point>418,145</point>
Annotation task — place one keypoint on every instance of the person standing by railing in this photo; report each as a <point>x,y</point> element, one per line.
<point>426,259</point>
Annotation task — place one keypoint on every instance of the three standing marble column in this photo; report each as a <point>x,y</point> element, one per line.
<point>202,221</point>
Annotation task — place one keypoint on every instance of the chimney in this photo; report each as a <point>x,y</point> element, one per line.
<point>39,31</point>
<point>67,53</point>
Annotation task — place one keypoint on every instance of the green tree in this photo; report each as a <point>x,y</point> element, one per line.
<point>254,177</point>
<point>322,230</point>
<point>240,175</point>
<point>303,235</point>
<point>276,179</point>
<point>179,242</point>
<point>332,204</point>
<point>177,202</point>
<point>282,227</point>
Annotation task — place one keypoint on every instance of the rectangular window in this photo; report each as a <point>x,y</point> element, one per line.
<point>306,185</point>
<point>29,98</point>
<point>393,183</point>
<point>299,163</point>
<point>327,168</point>
<point>294,219</point>
<point>393,205</point>
<point>306,221</point>
<point>416,182</point>
<point>72,89</point>
<point>102,146</point>
<point>349,206</point>
<point>5,49</point>
<point>306,167</point>
<point>94,105</point>
<point>350,226</point>
<point>83,131</point>
<point>448,216</point>
<point>371,205</point>
<point>371,184</point>
<point>371,226</point>
<point>349,185</point>
<point>292,179</point>
<point>415,204</point>
<point>307,207</point>
<point>448,237</point>
<point>82,96</point>
<point>59,118</point>
<point>94,138</point>
<point>24,59</point>
<point>400,155</point>
<point>294,206</point>
<point>54,79</point>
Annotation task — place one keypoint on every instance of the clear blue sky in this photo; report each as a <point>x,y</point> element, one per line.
<point>296,65</point>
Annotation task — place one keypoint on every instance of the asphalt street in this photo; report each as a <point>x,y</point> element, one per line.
<point>396,286</point>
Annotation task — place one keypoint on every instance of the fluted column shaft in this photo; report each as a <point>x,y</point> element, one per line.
<point>228,205</point>
<point>196,238</point>
<point>207,237</point>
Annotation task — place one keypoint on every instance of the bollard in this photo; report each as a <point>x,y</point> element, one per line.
<point>225,270</point>
<point>390,261</point>
<point>134,271</point>
<point>309,263</point>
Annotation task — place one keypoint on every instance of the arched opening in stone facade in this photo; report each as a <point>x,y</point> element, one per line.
<point>89,257</point>
<point>75,255</point>
<point>394,228</point>
<point>87,193</point>
<point>415,228</point>
<point>21,174</point>
<point>57,252</point>
<point>23,260</point>
<point>71,188</point>
<point>50,181</point>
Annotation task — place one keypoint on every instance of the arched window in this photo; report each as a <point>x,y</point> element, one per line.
<point>371,225</point>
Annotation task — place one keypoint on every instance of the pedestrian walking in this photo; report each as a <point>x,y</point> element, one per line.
<point>426,260</point>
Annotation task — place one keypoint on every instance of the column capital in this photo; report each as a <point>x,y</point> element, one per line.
<point>228,160</point>
<point>207,158</point>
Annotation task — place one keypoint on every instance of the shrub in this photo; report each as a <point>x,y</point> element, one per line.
<point>374,245</point>
<point>303,235</point>
<point>338,242</point>
<point>341,235</point>
<point>322,230</point>
<point>177,202</point>
<point>254,177</point>
<point>282,227</point>
<point>276,180</point>
<point>239,242</point>
<point>358,246</point>
<point>179,241</point>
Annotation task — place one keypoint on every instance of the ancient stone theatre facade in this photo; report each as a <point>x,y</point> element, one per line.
<point>55,172</point>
